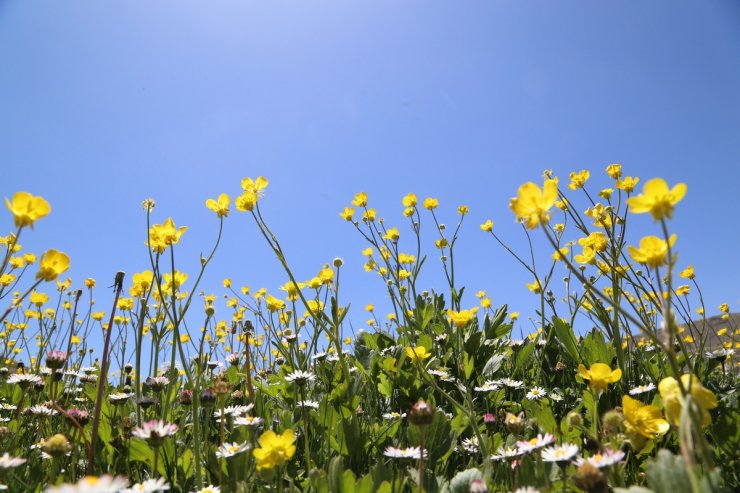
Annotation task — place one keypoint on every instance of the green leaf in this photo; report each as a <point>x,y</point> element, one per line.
<point>567,339</point>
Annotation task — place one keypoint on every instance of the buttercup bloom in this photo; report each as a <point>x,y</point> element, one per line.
<point>220,206</point>
<point>673,401</point>
<point>163,235</point>
<point>657,199</point>
<point>27,209</point>
<point>274,449</point>
<point>418,354</point>
<point>532,203</point>
<point>642,419</point>
<point>653,250</point>
<point>52,264</point>
<point>599,375</point>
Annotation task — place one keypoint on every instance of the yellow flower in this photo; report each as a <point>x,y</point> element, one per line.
<point>657,199</point>
<point>347,213</point>
<point>627,184</point>
<point>724,308</point>
<point>578,180</point>
<point>256,187</point>
<point>599,375</point>
<point>535,287</point>
<point>369,215</point>
<point>485,302</point>
<point>687,273</point>
<point>163,235</point>
<point>418,354</point>
<point>652,251</point>
<point>292,289</point>
<point>513,316</point>
<point>220,206</point>
<point>606,193</point>
<point>360,200</point>
<point>90,282</point>
<point>430,203</point>
<point>560,254</point>
<point>614,170</point>
<point>463,209</point>
<point>52,264</point>
<point>487,226</point>
<point>274,450</point>
<point>673,400</point>
<point>27,209</point>
<point>369,307</point>
<point>596,240</point>
<point>409,200</point>
<point>141,283</point>
<point>326,274</point>
<point>246,201</point>
<point>642,419</point>
<point>75,340</point>
<point>462,318</point>
<point>391,235</point>
<point>532,204</point>
<point>588,256</point>
<point>441,243</point>
<point>274,304</point>
<point>683,290</point>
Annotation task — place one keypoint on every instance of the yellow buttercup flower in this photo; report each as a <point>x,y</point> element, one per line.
<point>487,226</point>
<point>535,287</point>
<point>627,184</point>
<point>392,234</point>
<point>599,375</point>
<point>657,199</point>
<point>409,200</point>
<point>347,213</point>
<point>642,419</point>
<point>418,354</point>
<point>274,304</point>
<point>673,400</point>
<point>27,209</point>
<point>578,180</point>
<point>652,252</point>
<point>614,170</point>
<point>687,273</point>
<point>257,187</point>
<point>246,201</point>
<point>360,200</point>
<point>220,206</point>
<point>430,203</point>
<point>163,235</point>
<point>52,264</point>
<point>532,203</point>
<point>274,450</point>
<point>462,318</point>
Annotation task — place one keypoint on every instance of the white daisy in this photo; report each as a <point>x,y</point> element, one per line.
<point>308,403</point>
<point>92,484</point>
<point>602,459</point>
<point>41,410</point>
<point>488,386</point>
<point>148,486</point>
<point>641,389</point>
<point>559,453</point>
<point>248,421</point>
<point>394,415</point>
<point>300,377</point>
<point>231,449</point>
<point>7,461</point>
<point>404,453</point>
<point>537,442</point>
<point>508,382</point>
<point>536,393</point>
<point>25,379</point>
<point>209,489</point>
<point>506,453</point>
<point>470,445</point>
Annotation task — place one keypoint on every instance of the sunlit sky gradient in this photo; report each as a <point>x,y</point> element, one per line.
<point>103,104</point>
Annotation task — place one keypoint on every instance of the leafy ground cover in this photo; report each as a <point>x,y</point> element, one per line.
<point>439,397</point>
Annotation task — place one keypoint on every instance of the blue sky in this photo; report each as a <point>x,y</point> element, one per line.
<point>104,104</point>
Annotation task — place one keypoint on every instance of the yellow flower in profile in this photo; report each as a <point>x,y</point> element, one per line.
<point>418,354</point>
<point>430,203</point>
<point>599,375</point>
<point>627,184</point>
<point>614,170</point>
<point>487,226</point>
<point>27,209</point>
<point>274,304</point>
<point>462,318</point>
<point>163,235</point>
<point>347,213</point>
<point>274,450</point>
<point>38,299</point>
<point>369,215</point>
<point>560,254</point>
<point>578,180</point>
<point>642,419</point>
<point>657,199</point>
<point>673,400</point>
<point>52,264</point>
<point>246,201</point>
<point>535,287</point>
<point>392,234</point>
<point>588,256</point>
<point>360,200</point>
<point>220,206</point>
<point>531,205</point>
<point>292,289</point>
<point>687,273</point>
<point>409,200</point>
<point>257,187</point>
<point>652,252</point>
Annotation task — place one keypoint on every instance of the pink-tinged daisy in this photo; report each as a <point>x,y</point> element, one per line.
<point>559,453</point>
<point>602,459</point>
<point>535,443</point>
<point>641,389</point>
<point>92,484</point>
<point>25,379</point>
<point>155,431</point>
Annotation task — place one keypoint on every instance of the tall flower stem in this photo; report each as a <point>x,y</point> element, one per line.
<point>118,286</point>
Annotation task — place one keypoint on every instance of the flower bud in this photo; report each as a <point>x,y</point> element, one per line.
<point>56,446</point>
<point>421,413</point>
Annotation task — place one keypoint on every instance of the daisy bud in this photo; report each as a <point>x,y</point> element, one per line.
<point>421,413</point>
<point>574,419</point>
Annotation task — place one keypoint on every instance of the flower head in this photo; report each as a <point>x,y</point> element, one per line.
<point>642,419</point>
<point>274,450</point>
<point>673,400</point>
<point>653,250</point>
<point>599,375</point>
<point>92,484</point>
<point>52,264</point>
<point>657,199</point>
<point>231,449</point>
<point>155,431</point>
<point>27,209</point>
<point>532,203</point>
<point>220,206</point>
<point>417,354</point>
<point>163,235</point>
<point>462,318</point>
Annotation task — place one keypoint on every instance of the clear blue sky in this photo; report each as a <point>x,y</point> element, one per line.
<point>103,104</point>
